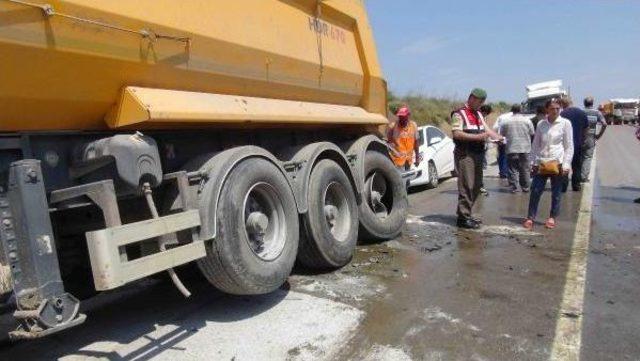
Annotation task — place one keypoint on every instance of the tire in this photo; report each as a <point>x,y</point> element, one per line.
<point>433,175</point>
<point>387,222</point>
<point>323,245</point>
<point>256,202</point>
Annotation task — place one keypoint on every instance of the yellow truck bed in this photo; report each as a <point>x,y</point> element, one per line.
<point>66,65</point>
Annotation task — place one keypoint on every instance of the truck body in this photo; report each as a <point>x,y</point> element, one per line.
<point>143,135</point>
<point>539,93</point>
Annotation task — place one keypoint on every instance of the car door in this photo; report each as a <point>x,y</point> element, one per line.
<point>425,151</point>
<point>445,153</point>
<point>435,140</point>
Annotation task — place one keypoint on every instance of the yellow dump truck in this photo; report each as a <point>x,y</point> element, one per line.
<point>137,136</point>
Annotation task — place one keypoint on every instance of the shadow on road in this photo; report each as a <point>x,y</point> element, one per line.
<point>449,219</point>
<point>141,322</point>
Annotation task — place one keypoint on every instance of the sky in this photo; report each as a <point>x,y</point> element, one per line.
<point>445,48</point>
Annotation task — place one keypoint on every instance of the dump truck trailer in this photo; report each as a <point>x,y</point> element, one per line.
<point>138,136</point>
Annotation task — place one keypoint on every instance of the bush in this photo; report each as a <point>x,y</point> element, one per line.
<point>432,110</point>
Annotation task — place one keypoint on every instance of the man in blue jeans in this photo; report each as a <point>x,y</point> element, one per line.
<point>502,154</point>
<point>518,131</point>
<point>580,125</point>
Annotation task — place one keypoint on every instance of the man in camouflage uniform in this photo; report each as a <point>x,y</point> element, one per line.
<point>470,132</point>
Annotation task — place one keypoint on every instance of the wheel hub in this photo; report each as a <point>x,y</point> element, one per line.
<point>331,213</point>
<point>336,211</point>
<point>376,189</point>
<point>257,224</point>
<point>264,221</point>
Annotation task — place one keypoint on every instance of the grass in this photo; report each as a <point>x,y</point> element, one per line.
<point>427,110</point>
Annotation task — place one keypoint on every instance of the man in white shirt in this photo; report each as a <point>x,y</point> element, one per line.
<point>502,155</point>
<point>518,131</point>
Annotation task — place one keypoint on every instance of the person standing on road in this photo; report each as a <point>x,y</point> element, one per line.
<point>552,153</point>
<point>580,124</point>
<point>470,132</point>
<point>485,110</point>
<point>502,156</point>
<point>595,117</point>
<point>541,113</point>
<point>637,200</point>
<point>402,137</point>
<point>517,131</point>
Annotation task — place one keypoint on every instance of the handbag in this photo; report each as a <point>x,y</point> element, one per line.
<point>549,168</point>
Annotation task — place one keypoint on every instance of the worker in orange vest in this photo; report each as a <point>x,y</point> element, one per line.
<point>402,137</point>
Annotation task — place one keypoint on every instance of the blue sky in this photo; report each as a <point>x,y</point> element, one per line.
<point>445,48</point>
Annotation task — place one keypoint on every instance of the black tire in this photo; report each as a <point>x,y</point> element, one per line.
<point>232,264</point>
<point>373,227</point>
<point>323,246</point>
<point>433,175</point>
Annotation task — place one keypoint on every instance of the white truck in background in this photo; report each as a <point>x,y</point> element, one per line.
<point>539,93</point>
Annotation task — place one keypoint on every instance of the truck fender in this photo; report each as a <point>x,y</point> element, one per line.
<point>356,150</point>
<point>301,165</point>
<point>215,171</point>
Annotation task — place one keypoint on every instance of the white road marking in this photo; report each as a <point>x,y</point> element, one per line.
<point>568,334</point>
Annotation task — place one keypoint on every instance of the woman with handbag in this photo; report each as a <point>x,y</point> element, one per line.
<point>551,154</point>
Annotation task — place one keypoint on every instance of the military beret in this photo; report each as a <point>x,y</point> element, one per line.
<point>479,93</point>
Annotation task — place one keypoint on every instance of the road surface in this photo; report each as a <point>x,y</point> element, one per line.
<point>435,293</point>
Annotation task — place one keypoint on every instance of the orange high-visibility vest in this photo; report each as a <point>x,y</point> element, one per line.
<point>402,141</point>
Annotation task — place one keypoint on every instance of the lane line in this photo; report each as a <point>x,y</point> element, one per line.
<point>568,334</point>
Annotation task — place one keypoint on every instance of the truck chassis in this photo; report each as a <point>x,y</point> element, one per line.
<point>125,237</point>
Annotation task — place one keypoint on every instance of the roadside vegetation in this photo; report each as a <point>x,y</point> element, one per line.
<point>427,110</point>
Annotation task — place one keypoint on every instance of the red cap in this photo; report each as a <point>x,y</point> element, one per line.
<point>403,112</point>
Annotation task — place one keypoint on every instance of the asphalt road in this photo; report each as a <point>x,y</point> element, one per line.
<point>435,293</point>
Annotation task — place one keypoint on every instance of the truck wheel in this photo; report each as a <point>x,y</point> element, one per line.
<point>384,208</point>
<point>257,236</point>
<point>331,224</point>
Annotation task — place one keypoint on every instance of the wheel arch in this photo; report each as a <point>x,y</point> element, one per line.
<point>356,151</point>
<point>303,161</point>
<point>215,171</point>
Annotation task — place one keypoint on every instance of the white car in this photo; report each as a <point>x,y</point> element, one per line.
<point>436,150</point>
